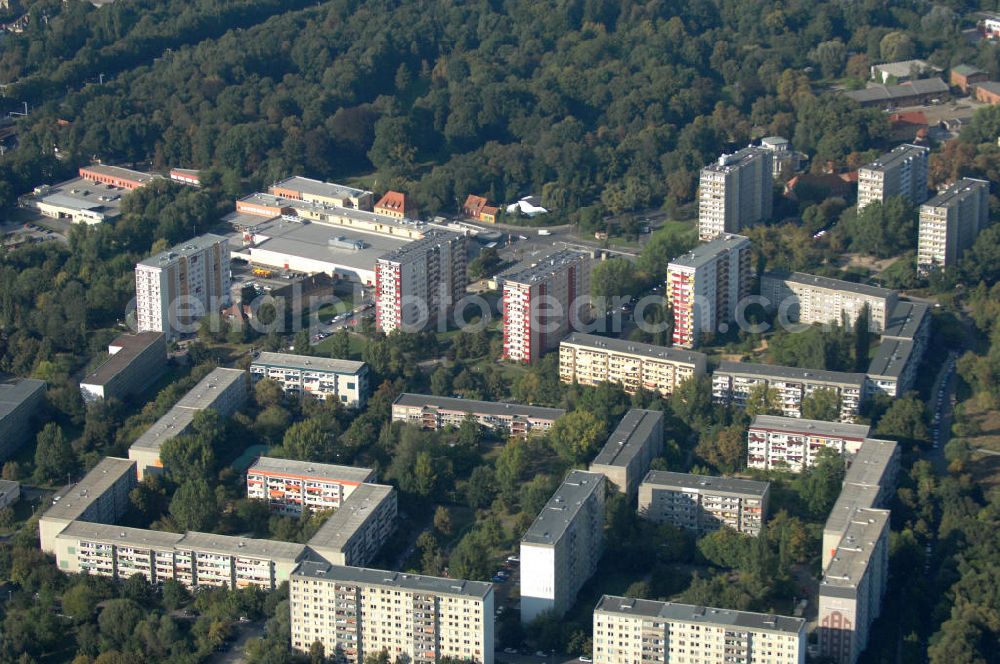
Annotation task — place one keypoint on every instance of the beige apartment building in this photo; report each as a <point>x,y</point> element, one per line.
<point>588,359</point>
<point>290,486</point>
<point>950,222</point>
<point>629,631</point>
<point>222,390</point>
<point>793,444</point>
<point>101,497</point>
<point>806,298</point>
<point>702,503</point>
<point>631,448</point>
<point>178,286</point>
<point>561,549</point>
<point>433,413</point>
<point>344,381</point>
<point>543,301</point>
<point>354,533</point>
<point>356,612</point>
<point>735,192</point>
<point>901,172</point>
<point>705,286</point>
<point>732,383</point>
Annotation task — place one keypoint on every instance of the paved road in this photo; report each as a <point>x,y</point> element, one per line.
<point>502,658</point>
<point>944,385</point>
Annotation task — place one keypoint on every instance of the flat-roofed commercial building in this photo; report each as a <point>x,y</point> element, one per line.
<point>222,390</point>
<point>101,496</point>
<point>344,381</point>
<point>735,192</point>
<point>116,176</point>
<point>80,201</point>
<point>628,630</point>
<point>561,549</point>
<point>317,191</point>
<point>793,444</point>
<point>950,222</point>
<point>431,412</point>
<point>194,559</point>
<point>356,612</point>
<point>705,286</point>
<point>853,585</point>
<point>588,359</point>
<point>901,172</point>
<point>732,383</point>
<point>419,283</point>
<point>542,302</point>
<point>806,298</point>
<point>178,286</point>
<point>290,486</point>
<point>135,361</point>
<point>631,448</point>
<point>21,400</point>
<point>702,503</point>
<point>356,531</point>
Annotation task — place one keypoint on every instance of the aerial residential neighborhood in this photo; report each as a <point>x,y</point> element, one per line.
<point>503,333</point>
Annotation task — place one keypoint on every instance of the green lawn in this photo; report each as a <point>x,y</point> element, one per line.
<point>357,346</point>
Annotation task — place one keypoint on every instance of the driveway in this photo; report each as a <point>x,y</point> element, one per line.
<point>236,652</point>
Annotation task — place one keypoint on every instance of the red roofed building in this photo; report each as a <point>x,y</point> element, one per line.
<point>477,207</point>
<point>396,205</point>
<point>115,176</point>
<point>906,126</point>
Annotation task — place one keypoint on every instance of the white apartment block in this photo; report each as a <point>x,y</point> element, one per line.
<point>344,381</point>
<point>433,413</point>
<point>543,302</point>
<point>732,383</point>
<point>702,503</point>
<point>705,286</point>
<point>101,497</point>
<point>289,486</point>
<point>631,448</point>
<point>355,533</point>
<point>222,390</point>
<point>735,192</point>
<point>793,444</point>
<point>419,283</point>
<point>177,287</point>
<point>193,559</point>
<point>808,299</point>
<point>950,221</point>
<point>561,549</point>
<point>588,359</point>
<point>628,631</point>
<point>134,362</point>
<point>356,612</point>
<point>901,172</point>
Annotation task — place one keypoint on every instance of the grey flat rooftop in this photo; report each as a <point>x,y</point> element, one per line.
<point>308,363</point>
<point>689,613</point>
<point>705,253</point>
<point>189,248</point>
<point>891,358</point>
<point>852,498</point>
<point>82,194</point>
<point>432,238</point>
<point>270,200</point>
<point>635,348</point>
<point>791,373</point>
<point>132,345</point>
<point>7,486</point>
<point>706,483</point>
<point>352,514</point>
<point>810,427</point>
<point>543,268</point>
<point>111,534</point>
<point>240,546</point>
<point>13,392</point>
<point>957,192</point>
<point>121,172</point>
<point>905,67</point>
<point>870,461</point>
<point>387,579</point>
<point>827,283</point>
<point>897,154</point>
<point>496,408</point>
<point>551,523</point>
<point>320,471</point>
<point>854,552</point>
<point>990,86</point>
<point>318,187</point>
<point>70,502</point>
<point>204,394</point>
<point>628,438</point>
<point>738,158</point>
<point>173,423</point>
<point>905,320</point>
